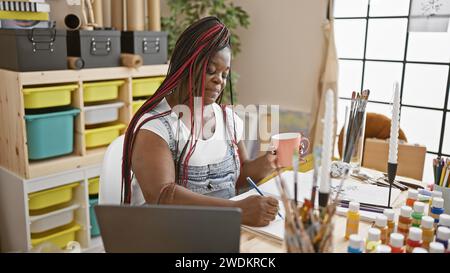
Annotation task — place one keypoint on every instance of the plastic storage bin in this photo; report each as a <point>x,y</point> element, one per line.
<point>146,86</point>
<point>93,185</point>
<point>102,136</point>
<point>50,96</point>
<point>96,114</point>
<point>51,197</point>
<point>101,91</point>
<point>137,104</point>
<point>54,219</point>
<point>50,134</point>
<point>60,236</point>
<point>95,230</point>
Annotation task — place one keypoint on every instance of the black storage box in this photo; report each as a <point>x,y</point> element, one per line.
<point>97,48</point>
<point>150,45</point>
<point>36,49</point>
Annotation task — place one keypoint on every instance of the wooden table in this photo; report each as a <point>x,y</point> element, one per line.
<point>256,243</point>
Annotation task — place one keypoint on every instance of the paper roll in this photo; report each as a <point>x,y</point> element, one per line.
<point>131,60</point>
<point>135,15</point>
<point>154,15</point>
<point>98,12</point>
<point>75,63</point>
<point>107,13</point>
<point>117,14</point>
<point>72,22</point>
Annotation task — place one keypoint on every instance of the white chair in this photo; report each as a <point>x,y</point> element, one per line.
<point>111,173</point>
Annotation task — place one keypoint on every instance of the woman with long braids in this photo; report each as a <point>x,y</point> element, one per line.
<point>175,157</point>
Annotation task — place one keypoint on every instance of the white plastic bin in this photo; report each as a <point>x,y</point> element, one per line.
<point>96,114</point>
<point>51,220</point>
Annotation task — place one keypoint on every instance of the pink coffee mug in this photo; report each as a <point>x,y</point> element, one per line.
<point>285,144</point>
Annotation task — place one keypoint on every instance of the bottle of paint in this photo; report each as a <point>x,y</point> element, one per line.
<point>355,244</point>
<point>414,239</point>
<point>404,221</point>
<point>433,195</point>
<point>381,224</point>
<point>417,213</point>
<point>436,208</point>
<point>419,250</point>
<point>436,247</point>
<point>427,226</point>
<point>412,197</point>
<point>373,240</point>
<point>444,221</point>
<point>352,226</point>
<point>390,214</point>
<point>443,235</point>
<point>383,249</point>
<point>396,243</point>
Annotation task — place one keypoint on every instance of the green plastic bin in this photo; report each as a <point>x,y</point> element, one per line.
<point>50,134</point>
<point>95,230</point>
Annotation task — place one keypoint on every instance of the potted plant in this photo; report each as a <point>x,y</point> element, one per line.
<point>184,12</point>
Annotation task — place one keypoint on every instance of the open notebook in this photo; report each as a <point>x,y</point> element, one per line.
<point>352,190</point>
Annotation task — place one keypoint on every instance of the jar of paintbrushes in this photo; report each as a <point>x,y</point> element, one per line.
<point>354,130</point>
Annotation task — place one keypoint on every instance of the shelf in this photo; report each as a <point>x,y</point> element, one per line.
<point>90,74</point>
<point>65,163</point>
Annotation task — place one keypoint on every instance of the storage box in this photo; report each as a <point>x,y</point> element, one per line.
<point>48,96</point>
<point>411,157</point>
<point>137,104</point>
<point>53,219</point>
<point>95,230</point>
<point>101,91</point>
<point>150,45</point>
<point>60,236</point>
<point>50,134</point>
<point>102,136</point>
<point>93,185</point>
<point>145,87</point>
<point>96,114</point>
<point>35,49</point>
<point>97,48</point>
<point>51,197</point>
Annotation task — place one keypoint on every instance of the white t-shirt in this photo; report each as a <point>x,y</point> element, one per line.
<point>209,151</point>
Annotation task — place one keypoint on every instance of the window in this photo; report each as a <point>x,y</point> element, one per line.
<point>375,50</point>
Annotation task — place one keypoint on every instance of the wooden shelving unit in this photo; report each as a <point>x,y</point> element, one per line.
<point>14,155</point>
<point>19,177</point>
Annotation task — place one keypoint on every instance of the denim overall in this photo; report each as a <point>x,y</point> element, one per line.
<point>216,180</point>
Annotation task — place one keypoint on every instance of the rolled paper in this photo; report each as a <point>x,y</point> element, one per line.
<point>75,63</point>
<point>327,142</point>
<point>117,14</point>
<point>107,13</point>
<point>98,12</point>
<point>72,22</point>
<point>131,60</point>
<point>393,142</point>
<point>135,15</point>
<point>90,11</point>
<point>154,15</point>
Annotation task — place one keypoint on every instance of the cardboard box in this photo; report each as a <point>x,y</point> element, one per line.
<point>411,157</point>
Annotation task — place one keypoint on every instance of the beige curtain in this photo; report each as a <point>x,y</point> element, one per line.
<point>328,80</point>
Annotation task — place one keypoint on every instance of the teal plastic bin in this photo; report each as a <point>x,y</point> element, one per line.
<point>50,134</point>
<point>95,230</point>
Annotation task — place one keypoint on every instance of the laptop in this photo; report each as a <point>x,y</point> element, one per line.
<point>169,229</point>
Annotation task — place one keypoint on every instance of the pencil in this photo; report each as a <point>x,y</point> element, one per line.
<point>253,184</point>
